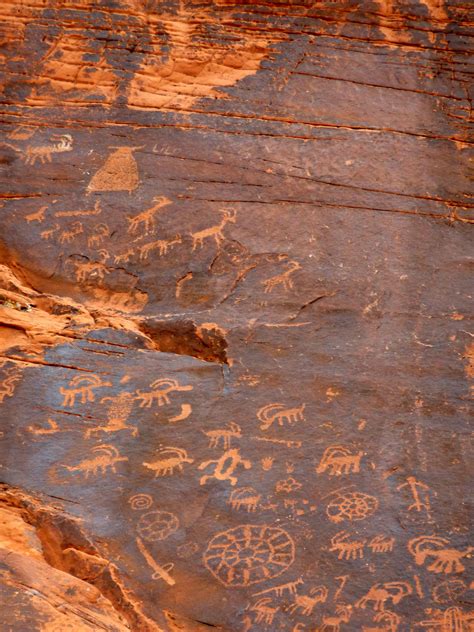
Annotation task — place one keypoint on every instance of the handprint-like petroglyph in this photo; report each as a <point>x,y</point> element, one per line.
<point>159,572</point>
<point>59,143</point>
<point>380,593</point>
<point>118,173</point>
<point>245,498</point>
<point>338,460</point>
<point>283,279</point>
<point>445,560</point>
<point>305,604</point>
<point>157,525</point>
<point>224,467</point>
<point>381,544</point>
<point>69,234</point>
<point>83,386</point>
<point>173,458</point>
<point>37,216</point>
<point>351,506</point>
<point>267,463</point>
<point>215,231</point>
<point>249,554</point>
<point>161,390</point>
<point>225,435</point>
<point>100,232</point>
<point>420,494</point>
<point>118,413</point>
<point>346,549</point>
<point>265,612</point>
<point>280,413</point>
<point>162,245</point>
<point>146,219</point>
<point>107,458</point>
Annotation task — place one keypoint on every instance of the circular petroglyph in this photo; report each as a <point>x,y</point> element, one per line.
<point>157,525</point>
<point>351,506</point>
<point>139,502</point>
<point>249,554</point>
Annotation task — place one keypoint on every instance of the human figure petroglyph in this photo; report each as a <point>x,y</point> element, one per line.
<point>351,506</point>
<point>8,382</point>
<point>174,458</point>
<point>380,593</point>
<point>99,233</point>
<point>279,413</point>
<point>338,460</point>
<point>162,245</point>
<point>245,498</point>
<point>381,544</point>
<point>346,549</point>
<point>249,554</point>
<point>225,435</point>
<point>59,143</point>
<point>118,173</point>
<point>445,560</point>
<point>283,279</point>
<point>332,623</point>
<point>69,234</point>
<point>37,216</point>
<point>420,494</point>
<point>161,389</point>
<point>305,604</point>
<point>107,458</point>
<point>215,231</point>
<point>146,219</point>
<point>224,467</point>
<point>118,413</point>
<point>83,385</point>
<point>265,612</point>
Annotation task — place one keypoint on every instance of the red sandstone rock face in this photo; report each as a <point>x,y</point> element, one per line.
<point>234,345</point>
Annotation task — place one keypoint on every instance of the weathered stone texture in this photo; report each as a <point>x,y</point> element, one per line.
<point>235,351</point>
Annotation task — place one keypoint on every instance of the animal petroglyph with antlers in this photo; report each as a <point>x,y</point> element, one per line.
<point>283,279</point>
<point>83,386</point>
<point>59,143</point>
<point>215,231</point>
<point>146,219</point>
<point>162,245</point>
<point>173,458</point>
<point>107,458</point>
<point>161,390</point>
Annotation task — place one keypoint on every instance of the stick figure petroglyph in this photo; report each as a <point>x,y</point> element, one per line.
<point>215,231</point>
<point>225,435</point>
<point>420,493</point>
<point>224,467</point>
<point>146,219</point>
<point>279,413</point>
<point>84,386</point>
<point>174,458</point>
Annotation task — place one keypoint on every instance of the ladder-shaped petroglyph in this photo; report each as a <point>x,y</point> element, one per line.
<point>118,412</point>
<point>83,386</point>
<point>107,458</point>
<point>224,435</point>
<point>444,559</point>
<point>381,544</point>
<point>280,413</point>
<point>214,232</point>
<point>249,554</point>
<point>338,460</point>
<point>380,593</point>
<point>245,498</point>
<point>349,505</point>
<point>118,173</point>
<point>305,604</point>
<point>284,279</point>
<point>58,143</point>
<point>160,393</point>
<point>224,467</point>
<point>345,548</point>
<point>452,619</point>
<point>171,459</point>
<point>145,221</point>
<point>97,210</point>
<point>162,245</point>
